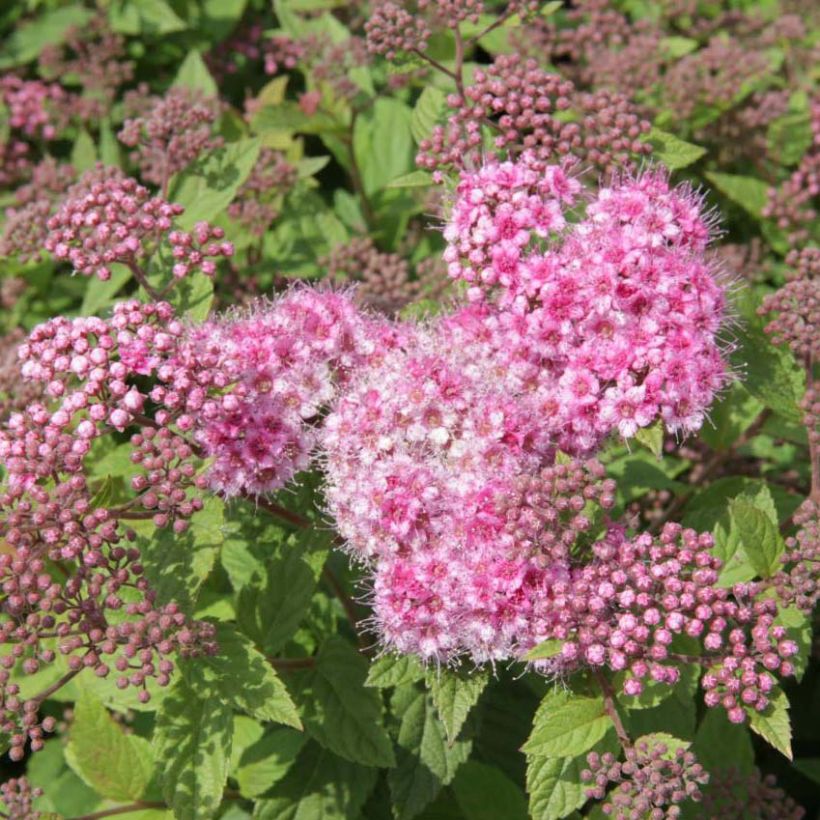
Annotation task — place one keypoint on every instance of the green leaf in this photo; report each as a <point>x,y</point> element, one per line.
<point>84,152</point>
<point>544,650</point>
<point>117,765</point>
<point>394,670</point>
<point>652,438</point>
<point>772,724</point>
<point>383,144</point>
<point>748,192</point>
<point>720,744</point>
<point>770,373</point>
<point>319,786</point>
<point>48,28</point>
<point>485,793</point>
<point>206,188</point>
<point>177,565</point>
<point>428,110</point>
<point>676,47</point>
<point>454,695</point>
<point>194,74</point>
<point>192,738</point>
<point>790,137</point>
<point>271,608</point>
<point>340,712</point>
<point>109,147</point>
<point>426,761</point>
<point>672,151</point>
<point>241,676</point>
<point>554,786</point>
<point>287,116</point>
<point>809,766</point>
<point>759,535</point>
<point>566,725</point>
<point>415,179</point>
<point>267,761</point>
<point>157,17</point>
<point>102,294</point>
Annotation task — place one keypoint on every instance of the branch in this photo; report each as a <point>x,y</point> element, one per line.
<point>290,664</point>
<point>58,684</point>
<point>280,512</point>
<point>347,604</point>
<point>140,805</point>
<point>612,709</point>
<point>139,275</point>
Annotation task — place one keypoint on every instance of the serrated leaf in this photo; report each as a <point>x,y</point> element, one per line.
<point>428,110</point>
<point>789,137</point>
<point>567,725</point>
<point>554,786</point>
<point>772,724</point>
<point>383,144</point>
<point>194,74</point>
<point>485,793</point>
<point>340,712</point>
<point>769,372</point>
<point>415,179</point>
<point>748,192</point>
<point>454,695</point>
<point>319,786</point>
<point>271,608</point>
<point>192,738</point>
<point>652,438</point>
<point>761,540</point>
<point>426,761</point>
<point>546,649</point>
<point>241,676</point>
<point>267,761</point>
<point>177,565</point>
<point>206,188</point>
<point>672,151</point>
<point>676,47</point>
<point>394,670</point>
<point>117,765</point>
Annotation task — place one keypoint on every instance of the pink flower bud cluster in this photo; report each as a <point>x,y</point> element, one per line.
<point>651,782</point>
<point>392,30</point>
<point>522,107</point>
<point>249,45</point>
<point>25,228</point>
<point>108,218</point>
<point>732,794</point>
<point>793,205</point>
<point>169,132</point>
<point>15,162</point>
<point>384,280</point>
<point>799,581</point>
<point>282,363</point>
<point>95,56</point>
<point>257,202</point>
<point>35,108</point>
<point>617,318</point>
<point>94,373</point>
<point>18,797</point>
<point>797,305</point>
<point>623,610</point>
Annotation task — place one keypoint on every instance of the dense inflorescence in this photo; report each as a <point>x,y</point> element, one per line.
<point>168,133</point>
<point>521,105</point>
<point>18,796</point>
<point>109,218</point>
<point>258,201</point>
<point>651,782</point>
<point>732,794</point>
<point>384,281</point>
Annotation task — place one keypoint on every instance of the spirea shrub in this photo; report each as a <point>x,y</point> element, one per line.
<point>408,410</point>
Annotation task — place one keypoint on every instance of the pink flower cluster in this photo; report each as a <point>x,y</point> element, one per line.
<point>108,218</point>
<point>283,363</point>
<point>616,319</point>
<point>168,133</point>
<point>35,108</point>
